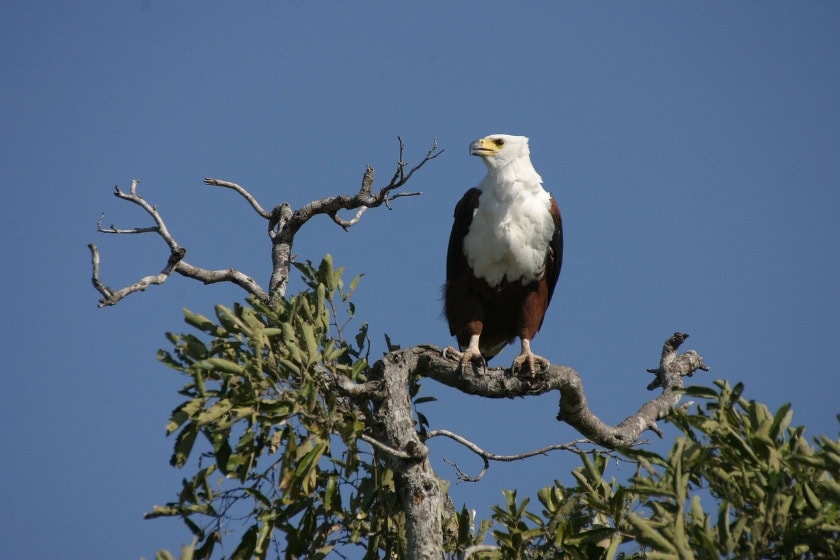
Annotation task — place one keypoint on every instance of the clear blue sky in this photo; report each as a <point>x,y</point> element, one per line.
<point>694,149</point>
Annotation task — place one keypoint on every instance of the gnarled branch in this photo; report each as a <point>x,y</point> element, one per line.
<point>174,263</point>
<point>283,224</point>
<point>574,410</point>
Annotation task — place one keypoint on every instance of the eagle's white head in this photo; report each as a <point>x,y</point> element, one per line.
<point>507,155</point>
<point>498,150</point>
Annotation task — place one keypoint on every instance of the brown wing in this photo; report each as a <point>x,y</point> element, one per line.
<point>457,308</point>
<point>455,259</point>
<point>554,259</point>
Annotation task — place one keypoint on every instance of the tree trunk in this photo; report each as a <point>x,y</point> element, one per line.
<point>416,482</point>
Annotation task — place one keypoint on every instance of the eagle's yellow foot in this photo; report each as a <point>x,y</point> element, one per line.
<point>465,358</point>
<point>527,361</point>
<point>469,355</point>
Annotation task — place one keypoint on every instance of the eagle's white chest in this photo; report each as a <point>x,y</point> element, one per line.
<point>510,234</point>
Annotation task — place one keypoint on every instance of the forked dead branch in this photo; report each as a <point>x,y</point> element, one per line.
<point>283,225</point>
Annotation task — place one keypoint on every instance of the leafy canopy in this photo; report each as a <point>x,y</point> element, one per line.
<point>281,468</point>
<point>283,453</point>
<point>773,495</point>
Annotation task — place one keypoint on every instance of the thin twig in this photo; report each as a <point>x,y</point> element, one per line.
<point>488,456</point>
<point>113,229</point>
<point>135,198</point>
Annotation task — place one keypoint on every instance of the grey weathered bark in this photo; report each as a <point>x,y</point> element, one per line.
<point>393,433</point>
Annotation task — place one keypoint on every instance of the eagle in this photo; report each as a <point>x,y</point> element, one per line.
<point>504,257</point>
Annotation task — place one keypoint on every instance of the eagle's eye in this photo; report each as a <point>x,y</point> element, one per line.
<point>499,142</point>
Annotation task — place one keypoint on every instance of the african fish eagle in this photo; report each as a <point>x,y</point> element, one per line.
<point>504,256</point>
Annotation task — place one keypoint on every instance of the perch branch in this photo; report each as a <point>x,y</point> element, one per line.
<point>499,383</point>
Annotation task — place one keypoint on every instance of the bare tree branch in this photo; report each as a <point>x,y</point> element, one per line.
<point>224,275</point>
<point>283,224</point>
<point>365,198</point>
<point>114,229</point>
<point>110,296</point>
<point>175,262</point>
<point>241,190</point>
<point>134,198</point>
<point>488,456</point>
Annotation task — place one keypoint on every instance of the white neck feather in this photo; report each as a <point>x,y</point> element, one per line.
<point>519,170</point>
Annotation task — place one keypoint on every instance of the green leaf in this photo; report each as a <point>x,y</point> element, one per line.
<point>164,555</point>
<point>311,344</point>
<point>202,323</point>
<point>354,283</point>
<point>214,413</point>
<point>332,500</point>
<point>781,421</point>
<point>305,470</point>
<point>701,392</point>
<point>184,412</point>
<point>326,273</point>
<point>183,445</point>
<point>220,365</point>
<point>246,547</point>
<point>647,533</point>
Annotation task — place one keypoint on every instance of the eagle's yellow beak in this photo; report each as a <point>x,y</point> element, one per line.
<point>487,146</point>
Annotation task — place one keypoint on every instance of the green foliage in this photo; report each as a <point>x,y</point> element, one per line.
<point>772,494</point>
<point>776,496</point>
<point>283,450</point>
<point>279,467</point>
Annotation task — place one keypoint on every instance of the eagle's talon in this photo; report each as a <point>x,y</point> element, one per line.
<point>465,358</point>
<point>527,363</point>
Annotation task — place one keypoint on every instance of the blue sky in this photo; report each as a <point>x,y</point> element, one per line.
<point>694,149</point>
